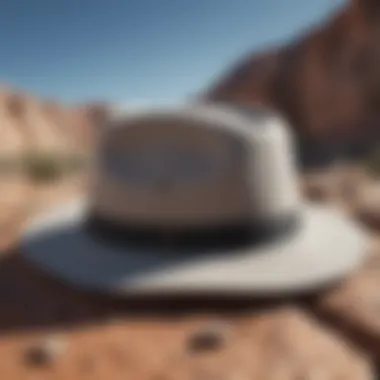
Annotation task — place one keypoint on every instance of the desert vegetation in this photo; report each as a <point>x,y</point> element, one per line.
<point>43,166</point>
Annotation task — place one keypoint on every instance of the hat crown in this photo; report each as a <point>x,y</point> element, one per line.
<point>200,165</point>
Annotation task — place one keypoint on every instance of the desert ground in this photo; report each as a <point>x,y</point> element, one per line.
<point>51,331</point>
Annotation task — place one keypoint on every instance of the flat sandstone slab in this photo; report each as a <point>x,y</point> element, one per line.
<point>104,339</point>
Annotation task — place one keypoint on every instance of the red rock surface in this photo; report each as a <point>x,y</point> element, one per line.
<point>116,339</point>
<point>327,82</point>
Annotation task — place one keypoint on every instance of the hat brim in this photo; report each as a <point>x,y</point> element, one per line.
<point>326,247</point>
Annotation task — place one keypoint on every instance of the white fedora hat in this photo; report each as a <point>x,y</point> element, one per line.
<point>195,199</point>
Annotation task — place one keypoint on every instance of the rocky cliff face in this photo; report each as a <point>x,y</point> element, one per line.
<point>28,123</point>
<point>327,82</point>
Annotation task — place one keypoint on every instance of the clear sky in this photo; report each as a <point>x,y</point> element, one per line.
<point>133,51</point>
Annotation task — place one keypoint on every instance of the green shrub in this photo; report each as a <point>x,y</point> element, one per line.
<point>47,167</point>
<point>42,168</point>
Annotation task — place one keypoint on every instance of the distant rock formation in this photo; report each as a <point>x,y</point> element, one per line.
<point>28,123</point>
<point>327,82</point>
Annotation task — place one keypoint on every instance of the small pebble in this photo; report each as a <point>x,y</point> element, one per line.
<point>210,337</point>
<point>46,352</point>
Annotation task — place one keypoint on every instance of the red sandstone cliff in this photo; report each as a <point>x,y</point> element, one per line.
<point>327,82</point>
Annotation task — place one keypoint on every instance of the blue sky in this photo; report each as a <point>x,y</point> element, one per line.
<point>136,51</point>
